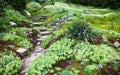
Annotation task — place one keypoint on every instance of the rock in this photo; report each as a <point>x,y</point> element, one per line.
<point>11,46</point>
<point>37,23</point>
<point>28,14</point>
<point>45,33</point>
<point>39,40</point>
<point>38,43</point>
<point>43,28</point>
<point>104,39</point>
<point>21,51</point>
<point>12,23</point>
<point>70,15</point>
<point>43,37</point>
<point>116,44</point>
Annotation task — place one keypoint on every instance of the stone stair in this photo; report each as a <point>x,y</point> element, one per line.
<point>37,51</point>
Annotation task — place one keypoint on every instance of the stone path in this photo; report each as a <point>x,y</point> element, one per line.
<point>37,51</point>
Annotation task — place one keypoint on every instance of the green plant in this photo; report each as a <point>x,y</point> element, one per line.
<point>102,54</point>
<point>33,6</point>
<point>81,30</point>
<point>16,16</point>
<point>17,40</point>
<point>66,72</point>
<point>57,51</point>
<point>10,63</point>
<point>19,31</point>
<point>46,41</point>
<point>90,69</point>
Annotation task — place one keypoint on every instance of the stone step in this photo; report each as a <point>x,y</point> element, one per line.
<point>43,28</point>
<point>39,40</point>
<point>45,33</point>
<point>21,51</point>
<point>37,23</point>
<point>43,37</point>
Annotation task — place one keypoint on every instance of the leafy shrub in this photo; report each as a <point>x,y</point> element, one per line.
<point>66,72</point>
<point>81,30</point>
<point>33,7</point>
<point>19,31</point>
<point>17,40</point>
<point>16,16</point>
<point>46,41</point>
<point>62,48</point>
<point>10,64</point>
<point>95,54</point>
<point>18,5</point>
<point>57,51</point>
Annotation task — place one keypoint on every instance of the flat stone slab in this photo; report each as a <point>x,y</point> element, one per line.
<point>43,37</point>
<point>45,33</point>
<point>37,23</point>
<point>43,28</point>
<point>21,51</point>
<point>39,40</point>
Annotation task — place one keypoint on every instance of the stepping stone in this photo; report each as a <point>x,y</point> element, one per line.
<point>37,23</point>
<point>45,33</point>
<point>43,28</point>
<point>116,44</point>
<point>39,40</point>
<point>43,37</point>
<point>21,51</point>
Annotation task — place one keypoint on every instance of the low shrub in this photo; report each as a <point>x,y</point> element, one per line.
<point>81,30</point>
<point>102,54</point>
<point>33,7</point>
<point>10,63</point>
<point>17,40</point>
<point>57,51</point>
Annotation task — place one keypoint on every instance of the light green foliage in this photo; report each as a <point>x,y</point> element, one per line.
<point>33,7</point>
<point>58,33</point>
<point>42,63</point>
<point>107,33</point>
<point>57,51</point>
<point>10,64</point>
<point>16,16</point>
<point>66,72</point>
<point>62,48</point>
<point>81,30</point>
<point>17,40</point>
<point>19,31</point>
<point>49,38</point>
<point>95,54</point>
<point>91,69</point>
<point>46,41</point>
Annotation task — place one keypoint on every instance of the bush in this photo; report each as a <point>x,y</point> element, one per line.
<point>98,3</point>
<point>33,7</point>
<point>17,40</point>
<point>57,51</point>
<point>10,64</point>
<point>102,54</point>
<point>81,30</point>
<point>17,4</point>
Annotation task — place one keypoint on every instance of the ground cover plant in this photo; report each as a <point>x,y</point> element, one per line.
<point>55,37</point>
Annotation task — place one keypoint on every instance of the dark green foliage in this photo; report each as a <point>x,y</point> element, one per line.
<point>81,30</point>
<point>17,4</point>
<point>10,63</point>
<point>98,3</point>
